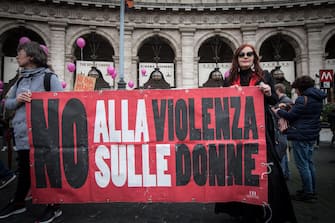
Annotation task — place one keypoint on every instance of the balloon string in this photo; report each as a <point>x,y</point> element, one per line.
<point>81,53</point>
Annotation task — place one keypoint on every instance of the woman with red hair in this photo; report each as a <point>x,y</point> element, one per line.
<point>246,71</point>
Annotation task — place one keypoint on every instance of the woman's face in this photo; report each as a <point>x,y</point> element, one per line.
<point>23,60</point>
<point>246,58</point>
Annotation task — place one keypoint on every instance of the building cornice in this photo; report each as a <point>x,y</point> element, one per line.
<point>180,5</point>
<point>109,17</point>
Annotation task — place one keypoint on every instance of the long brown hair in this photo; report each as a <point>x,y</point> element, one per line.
<point>234,70</point>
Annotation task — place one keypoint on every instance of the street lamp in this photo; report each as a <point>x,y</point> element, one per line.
<point>215,77</point>
<point>216,46</point>
<point>100,82</point>
<point>156,81</point>
<point>93,72</point>
<point>277,74</point>
<point>157,74</point>
<point>216,74</point>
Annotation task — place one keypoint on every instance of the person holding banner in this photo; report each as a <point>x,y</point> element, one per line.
<point>246,71</point>
<point>33,60</point>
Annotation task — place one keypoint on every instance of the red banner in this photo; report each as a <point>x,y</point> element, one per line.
<point>191,145</point>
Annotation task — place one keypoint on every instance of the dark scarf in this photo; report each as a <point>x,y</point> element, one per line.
<point>246,78</point>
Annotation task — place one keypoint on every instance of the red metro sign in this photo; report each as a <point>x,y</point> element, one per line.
<point>326,75</point>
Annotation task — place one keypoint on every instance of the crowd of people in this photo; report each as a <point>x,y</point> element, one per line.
<point>303,117</point>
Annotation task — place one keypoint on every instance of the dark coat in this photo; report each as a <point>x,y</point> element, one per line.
<point>304,116</point>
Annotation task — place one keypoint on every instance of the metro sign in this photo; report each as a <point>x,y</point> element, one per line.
<point>326,75</point>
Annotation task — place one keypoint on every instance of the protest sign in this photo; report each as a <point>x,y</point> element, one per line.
<point>191,145</point>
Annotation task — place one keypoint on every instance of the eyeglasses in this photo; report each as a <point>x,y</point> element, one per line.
<point>248,54</point>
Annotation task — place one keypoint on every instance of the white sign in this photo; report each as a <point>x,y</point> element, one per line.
<point>286,66</point>
<point>330,64</point>
<point>325,85</point>
<point>206,68</point>
<point>167,70</point>
<point>83,67</point>
<point>10,67</point>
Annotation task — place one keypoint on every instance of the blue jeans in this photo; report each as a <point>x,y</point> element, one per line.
<point>303,152</point>
<point>284,166</point>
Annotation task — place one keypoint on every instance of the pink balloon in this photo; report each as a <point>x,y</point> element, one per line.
<point>24,40</point>
<point>226,74</point>
<point>143,71</point>
<point>71,67</point>
<point>114,75</point>
<point>110,70</point>
<point>63,84</point>
<point>81,42</point>
<point>131,84</point>
<point>45,49</point>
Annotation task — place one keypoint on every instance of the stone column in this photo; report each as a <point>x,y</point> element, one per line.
<point>134,61</point>
<point>2,65</point>
<point>129,73</point>
<point>57,48</point>
<point>178,72</point>
<point>196,70</point>
<point>117,66</point>
<point>249,34</point>
<point>69,77</point>
<point>187,43</point>
<point>302,65</point>
<point>315,51</point>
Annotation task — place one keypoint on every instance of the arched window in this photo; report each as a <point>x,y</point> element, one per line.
<point>215,56</point>
<point>330,48</point>
<point>156,55</point>
<point>9,46</point>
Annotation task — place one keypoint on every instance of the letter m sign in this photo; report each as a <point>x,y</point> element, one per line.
<point>326,75</point>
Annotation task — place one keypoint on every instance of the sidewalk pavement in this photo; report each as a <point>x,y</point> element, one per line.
<point>322,211</point>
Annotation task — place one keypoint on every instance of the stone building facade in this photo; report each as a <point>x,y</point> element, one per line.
<point>304,31</point>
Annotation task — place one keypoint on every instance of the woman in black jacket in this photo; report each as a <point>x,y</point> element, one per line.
<point>246,71</point>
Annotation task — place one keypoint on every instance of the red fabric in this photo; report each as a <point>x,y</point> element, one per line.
<point>126,113</point>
